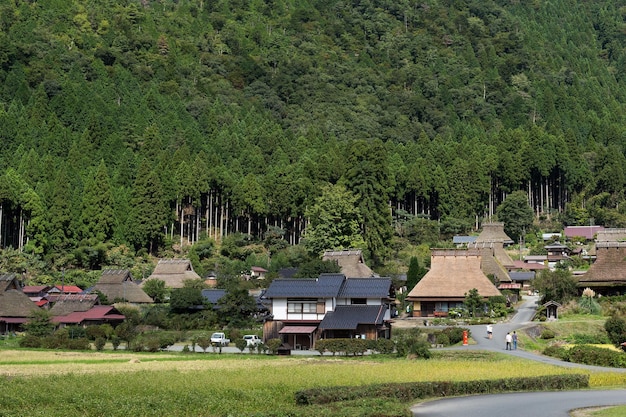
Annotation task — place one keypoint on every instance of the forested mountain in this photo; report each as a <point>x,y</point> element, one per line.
<point>142,122</point>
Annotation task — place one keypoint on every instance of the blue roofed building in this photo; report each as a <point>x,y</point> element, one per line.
<point>348,307</point>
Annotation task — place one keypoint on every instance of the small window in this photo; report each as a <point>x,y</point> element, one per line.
<point>358,301</point>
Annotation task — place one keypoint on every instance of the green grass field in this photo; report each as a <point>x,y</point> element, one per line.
<point>50,383</point>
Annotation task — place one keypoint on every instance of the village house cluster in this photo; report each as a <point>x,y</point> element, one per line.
<point>355,303</point>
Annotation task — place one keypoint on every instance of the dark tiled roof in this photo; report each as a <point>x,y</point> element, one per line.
<point>213,295</point>
<point>458,240</point>
<point>521,275</point>
<point>365,288</point>
<point>349,317</point>
<point>327,285</point>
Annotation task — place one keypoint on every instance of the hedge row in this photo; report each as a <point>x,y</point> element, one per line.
<point>411,391</point>
<point>354,346</point>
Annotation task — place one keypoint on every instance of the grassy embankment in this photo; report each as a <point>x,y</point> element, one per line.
<point>44,383</point>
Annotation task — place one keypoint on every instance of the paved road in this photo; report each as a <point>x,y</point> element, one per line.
<point>525,404</point>
<point>544,404</point>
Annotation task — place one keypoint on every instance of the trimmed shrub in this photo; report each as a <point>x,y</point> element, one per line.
<point>591,355</point>
<point>557,352</point>
<point>30,341</point>
<point>99,343</point>
<point>418,390</point>
<point>273,345</point>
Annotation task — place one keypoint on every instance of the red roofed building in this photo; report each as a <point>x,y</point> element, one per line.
<point>96,315</point>
<point>588,232</point>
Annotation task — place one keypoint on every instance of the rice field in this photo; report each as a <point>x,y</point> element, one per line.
<point>44,383</point>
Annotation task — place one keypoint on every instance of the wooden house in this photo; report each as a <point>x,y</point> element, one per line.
<point>118,285</point>
<point>607,275</point>
<point>330,306</point>
<point>174,272</point>
<point>15,306</point>
<point>351,262</point>
<point>453,273</point>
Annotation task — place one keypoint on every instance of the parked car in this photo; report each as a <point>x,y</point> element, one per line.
<point>219,338</point>
<point>252,340</point>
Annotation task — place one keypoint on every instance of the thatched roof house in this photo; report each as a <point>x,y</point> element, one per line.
<point>15,306</point>
<point>69,303</point>
<point>453,273</point>
<point>494,260</point>
<point>174,272</point>
<point>493,232</point>
<point>611,235</point>
<point>607,275</point>
<point>351,262</point>
<point>118,284</point>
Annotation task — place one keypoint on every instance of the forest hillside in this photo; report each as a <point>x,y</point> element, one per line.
<point>145,127</point>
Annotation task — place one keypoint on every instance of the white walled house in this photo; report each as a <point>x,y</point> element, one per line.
<point>330,306</point>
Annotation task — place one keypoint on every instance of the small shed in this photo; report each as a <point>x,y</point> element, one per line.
<point>552,310</point>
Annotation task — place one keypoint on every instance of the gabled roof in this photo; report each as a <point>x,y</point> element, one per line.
<point>13,302</point>
<point>351,262</point>
<point>366,288</point>
<point>66,289</point>
<point>493,232</point>
<point>174,272</point>
<point>213,295</point>
<point>70,303</point>
<point>522,275</point>
<point>609,267</point>
<point>531,266</point>
<point>348,317</point>
<point>611,235</point>
<point>452,274</point>
<point>460,240</point>
<point>35,289</point>
<point>96,313</point>
<point>327,285</point>
<point>118,284</point>
<point>494,260</point>
<point>584,231</point>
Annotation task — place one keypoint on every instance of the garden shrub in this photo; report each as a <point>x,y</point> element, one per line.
<point>346,346</point>
<point>273,345</point>
<point>412,391</point>
<point>547,334</point>
<point>616,329</point>
<point>30,341</point>
<point>588,339</point>
<point>99,343</point>
<point>591,355</point>
<point>556,351</point>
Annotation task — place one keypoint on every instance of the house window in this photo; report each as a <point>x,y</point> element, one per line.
<point>301,306</point>
<point>358,301</point>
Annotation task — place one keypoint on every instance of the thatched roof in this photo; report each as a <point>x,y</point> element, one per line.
<point>609,267</point>
<point>118,284</point>
<point>493,232</point>
<point>452,274</point>
<point>174,272</point>
<point>494,260</point>
<point>70,303</point>
<point>351,263</point>
<point>13,302</point>
<point>611,235</point>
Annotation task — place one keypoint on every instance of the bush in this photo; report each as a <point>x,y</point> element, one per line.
<point>30,341</point>
<point>616,329</point>
<point>557,352</point>
<point>345,346</point>
<point>273,345</point>
<point>99,343</point>
<point>591,355</point>
<point>547,334</point>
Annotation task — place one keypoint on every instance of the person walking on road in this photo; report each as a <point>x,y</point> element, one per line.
<point>514,339</point>
<point>508,339</point>
<point>489,331</point>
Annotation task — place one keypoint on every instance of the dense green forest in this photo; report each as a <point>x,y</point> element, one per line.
<point>146,127</point>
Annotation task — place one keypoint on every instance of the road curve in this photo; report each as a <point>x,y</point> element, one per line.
<point>524,404</point>
<point>544,404</point>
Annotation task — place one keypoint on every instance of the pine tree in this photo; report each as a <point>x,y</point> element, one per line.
<point>97,207</point>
